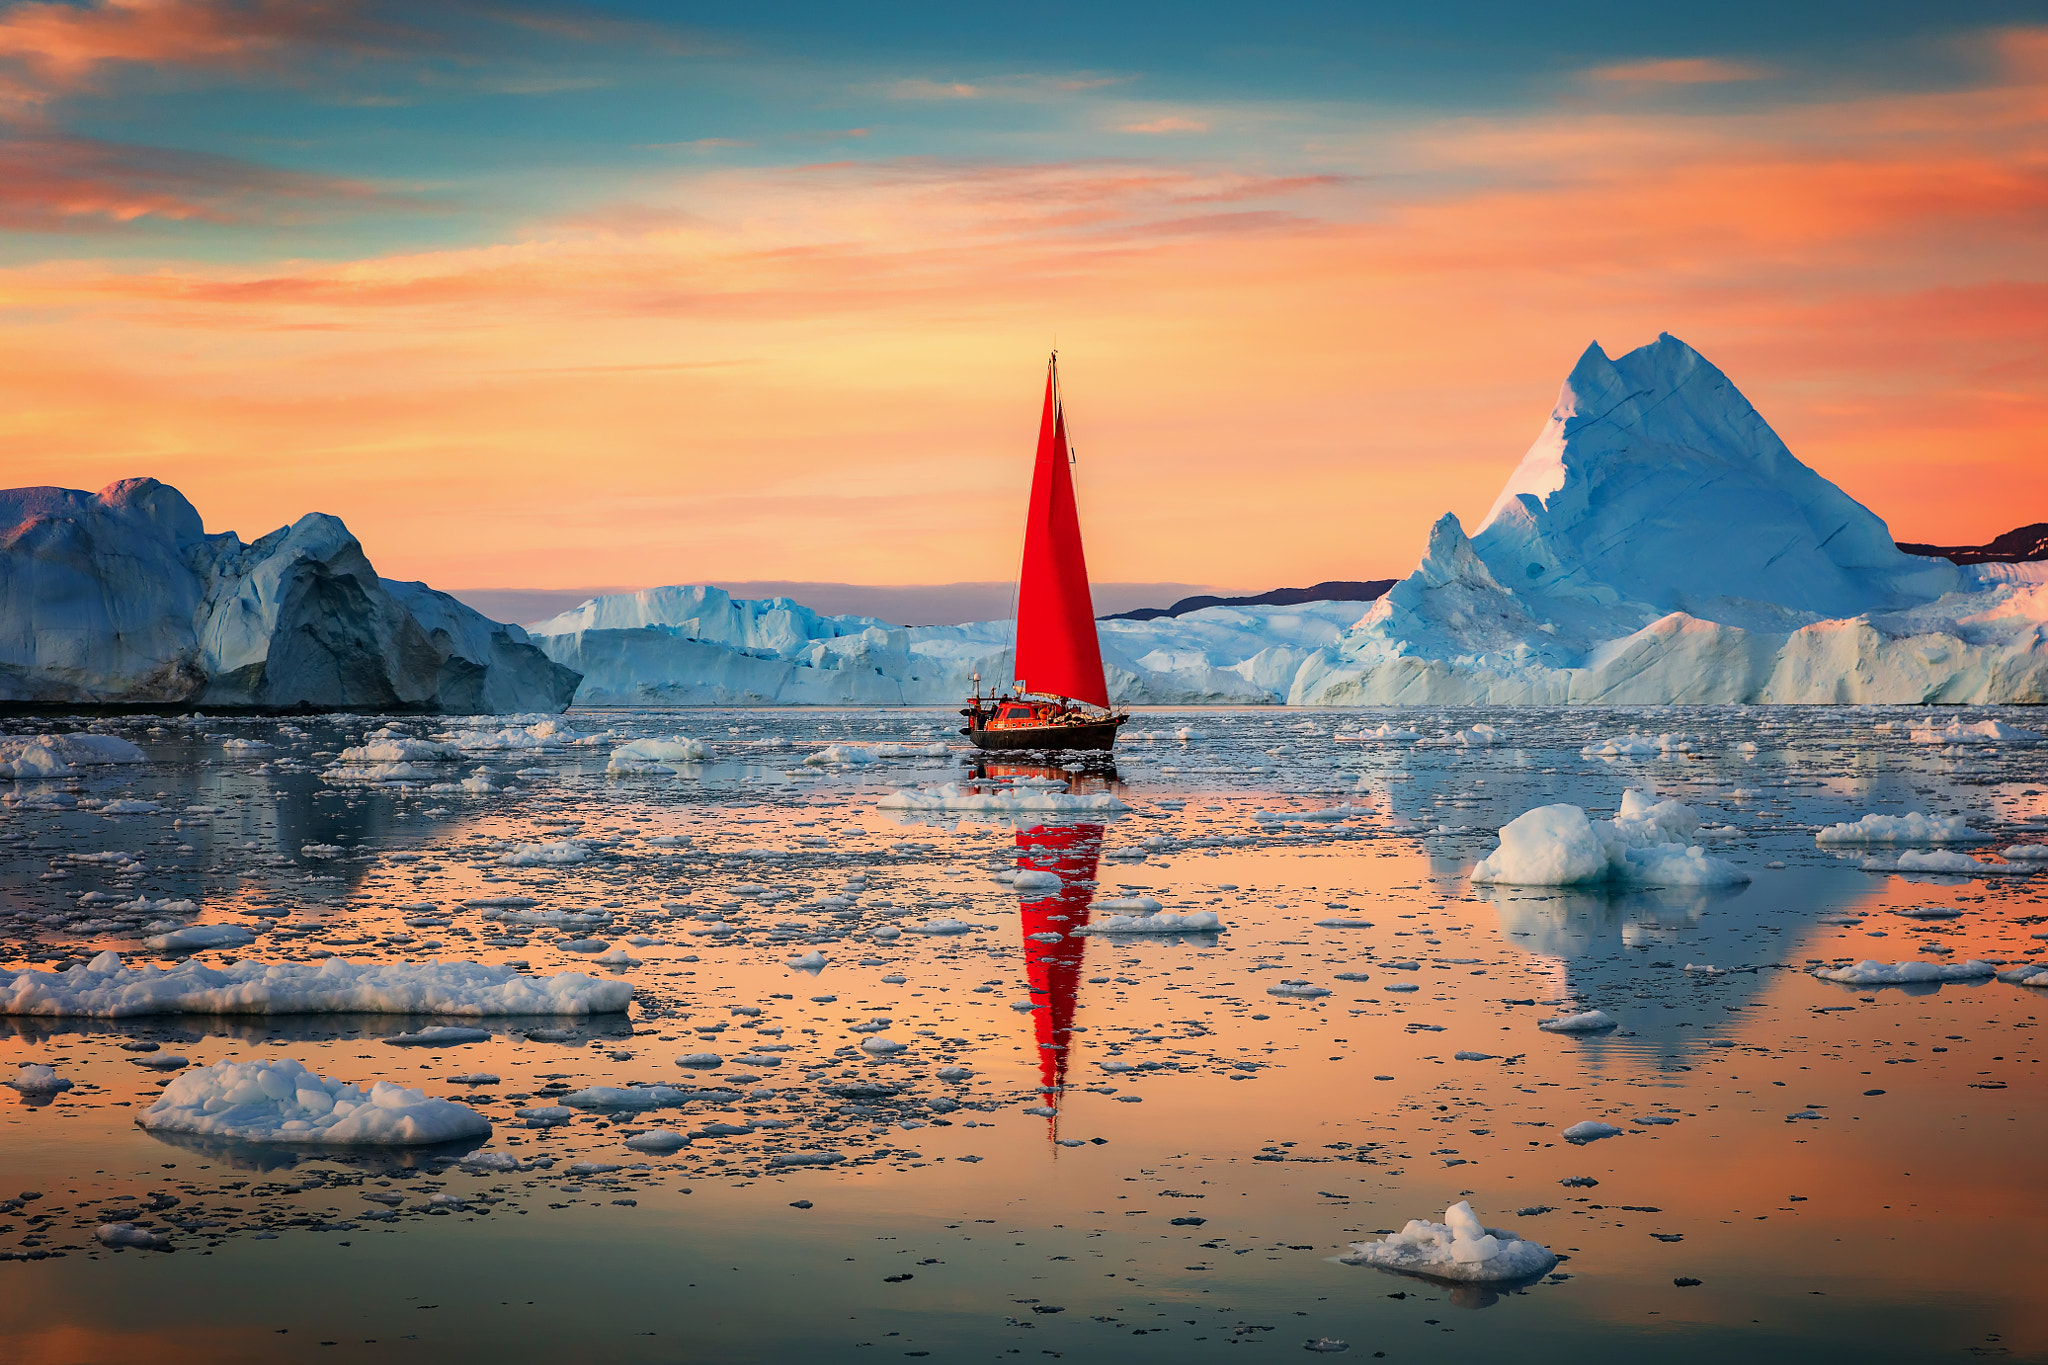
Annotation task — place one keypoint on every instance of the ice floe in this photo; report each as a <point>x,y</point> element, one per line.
<point>1911,828</point>
<point>1459,1248</point>
<point>1873,973</point>
<point>105,988</point>
<point>1647,843</point>
<point>282,1101</point>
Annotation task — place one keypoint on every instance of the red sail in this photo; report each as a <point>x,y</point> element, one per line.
<point>1057,650</point>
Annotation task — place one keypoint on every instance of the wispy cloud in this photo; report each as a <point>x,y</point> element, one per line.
<point>61,183</point>
<point>1680,71</point>
<point>1171,123</point>
<point>66,43</point>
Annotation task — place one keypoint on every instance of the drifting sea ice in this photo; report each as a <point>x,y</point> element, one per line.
<point>198,937</point>
<point>1591,1130</point>
<point>1194,922</point>
<point>105,988</point>
<point>1591,1021</point>
<point>1912,828</point>
<point>655,755</point>
<point>35,1078</point>
<point>1982,732</point>
<point>1459,1248</point>
<point>282,1101</point>
<point>1647,843</point>
<point>1950,863</point>
<point>1873,973</point>
<point>557,853</point>
<point>32,756</point>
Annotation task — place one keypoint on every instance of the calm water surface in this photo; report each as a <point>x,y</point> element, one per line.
<point>1210,1148</point>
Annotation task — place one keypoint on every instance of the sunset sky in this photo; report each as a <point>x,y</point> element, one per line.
<point>543,295</point>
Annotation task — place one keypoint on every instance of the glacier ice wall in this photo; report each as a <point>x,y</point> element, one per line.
<point>120,596</point>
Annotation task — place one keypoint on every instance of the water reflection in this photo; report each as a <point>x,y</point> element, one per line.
<point>276,1156</point>
<point>1052,951</point>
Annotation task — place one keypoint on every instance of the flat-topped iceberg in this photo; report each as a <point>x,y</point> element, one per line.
<point>1647,843</point>
<point>106,988</point>
<point>1459,1248</point>
<point>282,1101</point>
<point>26,757</point>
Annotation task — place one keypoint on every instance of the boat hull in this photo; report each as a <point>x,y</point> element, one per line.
<point>1094,735</point>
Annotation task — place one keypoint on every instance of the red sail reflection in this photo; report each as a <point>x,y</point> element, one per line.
<point>1069,852</point>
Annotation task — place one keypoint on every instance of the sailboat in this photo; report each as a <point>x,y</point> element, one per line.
<point>1059,699</point>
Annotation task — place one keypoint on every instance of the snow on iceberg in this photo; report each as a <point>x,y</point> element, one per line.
<point>1459,1248</point>
<point>105,988</point>
<point>1911,828</point>
<point>1874,973</point>
<point>1647,843</point>
<point>952,797</point>
<point>121,596</point>
<point>655,755</point>
<point>555,853</point>
<point>282,1101</point>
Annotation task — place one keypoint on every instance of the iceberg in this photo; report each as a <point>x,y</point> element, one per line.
<point>121,596</point>
<point>1660,544</point>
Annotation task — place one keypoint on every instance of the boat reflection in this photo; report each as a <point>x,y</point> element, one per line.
<point>1049,915</point>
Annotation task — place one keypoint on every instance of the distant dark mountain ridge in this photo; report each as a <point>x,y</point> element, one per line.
<point>2023,546</point>
<point>1333,591</point>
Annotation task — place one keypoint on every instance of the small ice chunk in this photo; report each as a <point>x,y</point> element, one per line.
<point>35,1078</point>
<point>1592,1130</point>
<point>1459,1248</point>
<point>441,1035</point>
<point>1591,1021</point>
<point>1874,973</point>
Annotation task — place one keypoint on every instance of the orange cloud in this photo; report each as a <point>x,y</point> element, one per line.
<point>1171,123</point>
<point>826,372</point>
<point>56,183</point>
<point>67,42</point>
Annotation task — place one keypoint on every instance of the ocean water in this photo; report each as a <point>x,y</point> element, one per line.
<point>1141,1147</point>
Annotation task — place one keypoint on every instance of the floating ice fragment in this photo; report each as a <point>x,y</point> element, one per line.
<point>120,1235</point>
<point>200,937</point>
<point>442,1035</point>
<point>282,1101</point>
<point>1300,989</point>
<point>806,1158</point>
<point>1343,924</point>
<point>810,962</point>
<point>1873,973</point>
<point>1647,843</point>
<point>35,1078</point>
<point>1591,1021</point>
<point>653,756</point>
<point>1590,1131</point>
<point>1458,1248</point>
<point>106,989</point>
<point>953,797</point>
<point>657,1140</point>
<point>1194,922</point>
<point>1911,828</point>
<point>882,1047</point>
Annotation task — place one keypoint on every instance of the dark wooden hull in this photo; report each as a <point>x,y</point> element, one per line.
<point>1101,735</point>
